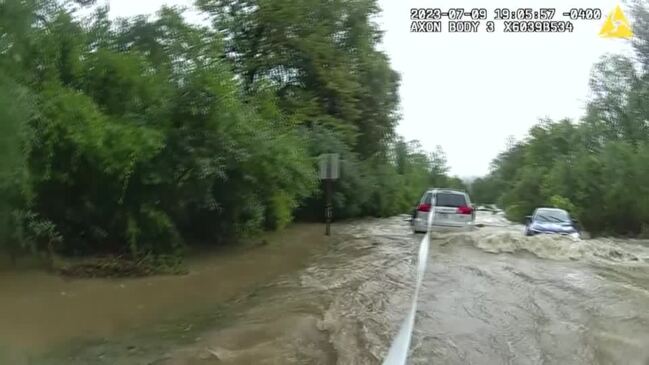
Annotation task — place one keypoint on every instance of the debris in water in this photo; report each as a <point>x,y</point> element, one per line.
<point>213,353</point>
<point>615,253</point>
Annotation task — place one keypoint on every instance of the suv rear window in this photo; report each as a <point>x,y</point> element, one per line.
<point>450,200</point>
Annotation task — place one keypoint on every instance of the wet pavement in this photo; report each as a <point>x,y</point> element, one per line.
<point>490,296</point>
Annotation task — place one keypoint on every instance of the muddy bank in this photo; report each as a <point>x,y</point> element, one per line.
<point>40,311</point>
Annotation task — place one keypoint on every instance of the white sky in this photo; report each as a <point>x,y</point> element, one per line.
<point>469,91</point>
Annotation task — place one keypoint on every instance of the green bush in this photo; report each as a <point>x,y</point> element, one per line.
<point>279,211</point>
<point>562,202</point>
<point>134,138</point>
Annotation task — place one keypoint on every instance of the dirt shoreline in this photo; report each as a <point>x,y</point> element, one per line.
<point>42,312</point>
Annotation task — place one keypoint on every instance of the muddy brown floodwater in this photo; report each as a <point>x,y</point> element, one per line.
<point>40,312</point>
<point>490,296</point>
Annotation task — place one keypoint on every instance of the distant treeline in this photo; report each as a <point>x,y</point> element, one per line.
<point>597,168</point>
<point>142,135</point>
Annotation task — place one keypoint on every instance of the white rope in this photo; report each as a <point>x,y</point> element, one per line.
<point>398,353</point>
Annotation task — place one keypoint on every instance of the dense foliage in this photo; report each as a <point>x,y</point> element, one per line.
<point>598,168</point>
<point>141,135</point>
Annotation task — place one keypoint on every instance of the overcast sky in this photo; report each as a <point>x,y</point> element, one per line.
<point>469,91</point>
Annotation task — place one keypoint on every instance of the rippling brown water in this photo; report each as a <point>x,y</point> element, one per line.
<point>490,296</point>
<point>40,312</point>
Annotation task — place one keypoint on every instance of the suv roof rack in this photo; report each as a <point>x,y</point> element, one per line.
<point>448,189</point>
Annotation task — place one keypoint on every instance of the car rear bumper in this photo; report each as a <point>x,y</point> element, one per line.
<point>452,227</point>
<point>569,234</point>
<point>421,226</point>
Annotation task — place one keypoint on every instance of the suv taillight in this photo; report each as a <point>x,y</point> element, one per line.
<point>423,207</point>
<point>464,210</point>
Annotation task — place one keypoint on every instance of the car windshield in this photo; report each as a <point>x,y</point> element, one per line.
<point>450,200</point>
<point>557,216</point>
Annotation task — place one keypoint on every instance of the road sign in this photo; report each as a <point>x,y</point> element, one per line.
<point>329,166</point>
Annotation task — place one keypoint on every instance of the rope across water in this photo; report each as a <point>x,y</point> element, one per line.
<point>398,353</point>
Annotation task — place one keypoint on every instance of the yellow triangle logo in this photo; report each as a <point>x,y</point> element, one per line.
<point>616,25</point>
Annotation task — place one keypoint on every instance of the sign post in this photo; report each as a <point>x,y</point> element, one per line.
<point>329,171</point>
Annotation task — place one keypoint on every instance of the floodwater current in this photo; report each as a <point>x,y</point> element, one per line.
<point>489,296</point>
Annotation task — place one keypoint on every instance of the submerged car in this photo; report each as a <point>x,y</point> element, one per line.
<point>450,209</point>
<point>551,221</point>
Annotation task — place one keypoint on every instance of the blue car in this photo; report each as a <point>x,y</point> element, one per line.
<point>551,221</point>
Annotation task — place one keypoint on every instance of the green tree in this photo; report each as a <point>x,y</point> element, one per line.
<point>594,168</point>
<point>142,135</point>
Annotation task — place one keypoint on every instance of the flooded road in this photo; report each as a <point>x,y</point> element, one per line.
<point>490,296</point>
<point>40,312</point>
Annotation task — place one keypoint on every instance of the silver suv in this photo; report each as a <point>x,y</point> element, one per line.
<point>450,208</point>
